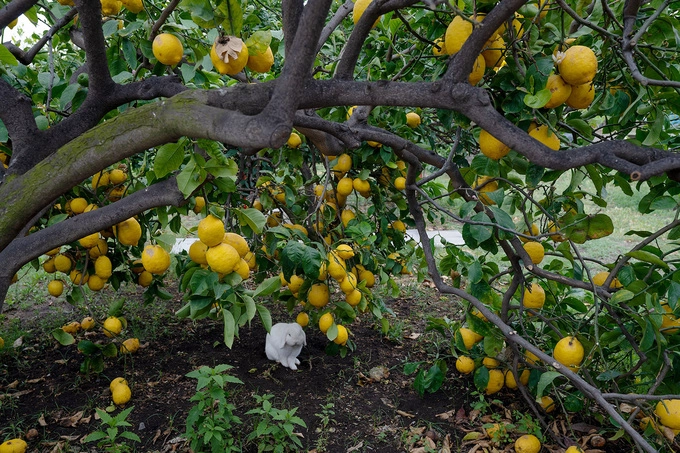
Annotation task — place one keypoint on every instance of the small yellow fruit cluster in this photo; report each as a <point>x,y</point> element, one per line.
<point>224,252</point>
<point>115,179</point>
<point>120,391</point>
<point>577,68</point>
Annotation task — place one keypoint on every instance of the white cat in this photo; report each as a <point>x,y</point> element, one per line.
<point>284,343</point>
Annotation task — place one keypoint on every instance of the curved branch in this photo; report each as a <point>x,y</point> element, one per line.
<point>13,10</point>
<point>342,12</point>
<point>100,81</point>
<point>27,57</point>
<point>26,248</point>
<point>162,18</point>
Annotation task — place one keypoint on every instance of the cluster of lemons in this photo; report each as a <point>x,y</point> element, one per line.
<point>112,326</point>
<point>229,54</point>
<point>221,251</point>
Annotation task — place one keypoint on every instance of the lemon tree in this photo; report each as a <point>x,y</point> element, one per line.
<point>127,133</point>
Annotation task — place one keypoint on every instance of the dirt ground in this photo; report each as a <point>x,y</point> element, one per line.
<point>360,403</point>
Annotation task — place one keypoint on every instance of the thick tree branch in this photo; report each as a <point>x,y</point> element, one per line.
<point>24,249</point>
<point>100,81</point>
<point>342,12</point>
<point>13,10</point>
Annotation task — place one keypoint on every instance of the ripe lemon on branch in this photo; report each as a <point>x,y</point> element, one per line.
<point>229,55</point>
<point>578,65</point>
<point>569,352</point>
<point>167,49</point>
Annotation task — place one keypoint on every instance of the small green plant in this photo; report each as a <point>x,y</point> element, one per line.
<point>326,418</point>
<point>113,429</point>
<point>210,423</point>
<point>274,427</point>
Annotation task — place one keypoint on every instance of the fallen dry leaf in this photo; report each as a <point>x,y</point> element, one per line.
<point>413,336</point>
<point>446,415</point>
<point>405,414</point>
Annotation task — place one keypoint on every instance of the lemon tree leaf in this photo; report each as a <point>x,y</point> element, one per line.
<point>622,295</point>
<point>62,337</point>
<point>190,178</point>
<point>599,226</point>
<point>267,287</point>
<point>232,16</point>
<point>265,316</point>
<point>7,57</point>
<point>252,218</point>
<point>201,11</point>
<point>229,328</point>
<point>169,157</point>
<point>258,42</point>
<point>251,309</point>
<point>648,257</point>
<point>546,379</point>
<point>493,345</point>
<point>481,378</point>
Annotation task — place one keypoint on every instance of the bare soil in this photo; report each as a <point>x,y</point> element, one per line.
<point>45,398</point>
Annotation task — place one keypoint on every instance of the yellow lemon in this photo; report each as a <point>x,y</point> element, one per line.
<point>358,11</point>
<point>569,352</point>
<point>490,362</point>
<point>412,119</point>
<point>367,276</point>
<point>528,443</point>
<point>233,57</point>
<point>465,364</point>
<point>128,232</point>
<point>345,186</point>
<point>197,252</point>
<point>578,65</point>
<point>145,278</point>
<point>534,297</point>
<point>72,327</point>
<point>13,446</point>
<point>121,394</point>
<point>559,91</point>
<point>167,48</point>
<point>116,382</point>
<point>211,231</point>
<point>129,346</point>
<point>134,6</point>
<point>95,283</point>
<point>222,258</point>
<point>470,338</point>
<point>62,263</point>
<point>155,259</point>
<point>325,322</point>
<point>544,135</point>
<point>535,250</point>
<point>87,323</point>
<point>458,31</point>
<point>112,326</point>
<point>343,165</point>
<point>78,278</point>
<point>494,51</point>
<point>103,267</point>
<point>349,283</point>
<point>261,62</point>
<point>668,412</point>
<point>318,295</point>
<point>238,242</point>
<point>336,266</point>
<point>400,183</point>
<point>600,277</point>
<point>55,288</point>
<point>547,403</point>
<point>344,251</point>
<point>302,319</point>
<point>343,335</point>
<point>117,176</point>
<point>110,7</point>
<point>78,205</point>
<point>439,47</point>
<point>294,141</point>
<point>353,297</point>
<point>199,204</point>
<point>496,382</point>
<point>362,186</point>
<point>491,147</point>
<point>100,249</point>
<point>581,96</point>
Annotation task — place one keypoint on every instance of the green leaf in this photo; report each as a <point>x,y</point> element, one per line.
<point>232,16</point>
<point>546,379</point>
<point>581,126</point>
<point>62,337</point>
<point>258,42</point>
<point>493,345</point>
<point>229,328</point>
<point>622,295</point>
<point>481,378</point>
<point>6,57</point>
<point>664,202</point>
<point>87,347</point>
<point>538,100</point>
<point>267,287</point>
<point>67,95</point>
<point>647,257</point>
<point>251,308</point>
<point>296,255</point>
<point>251,217</point>
<point>169,157</point>
<point>190,178</point>
<point>265,316</point>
